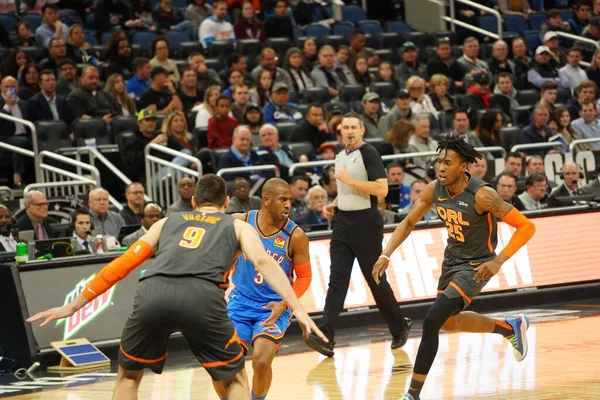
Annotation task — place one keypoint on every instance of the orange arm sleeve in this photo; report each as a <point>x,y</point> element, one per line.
<point>524,232</point>
<point>303,278</point>
<point>118,269</point>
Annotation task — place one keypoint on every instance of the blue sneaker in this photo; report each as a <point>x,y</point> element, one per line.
<point>408,396</point>
<point>519,340</point>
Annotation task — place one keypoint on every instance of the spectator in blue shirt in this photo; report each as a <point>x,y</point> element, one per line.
<point>51,27</point>
<point>141,81</point>
<point>280,109</point>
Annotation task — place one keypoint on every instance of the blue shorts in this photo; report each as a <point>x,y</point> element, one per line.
<point>247,314</point>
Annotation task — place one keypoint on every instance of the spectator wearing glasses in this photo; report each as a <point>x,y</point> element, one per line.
<point>56,51</point>
<point>151,214</point>
<point>161,59</point>
<point>241,201</point>
<point>8,243</point>
<point>36,216</point>
<point>131,212</point>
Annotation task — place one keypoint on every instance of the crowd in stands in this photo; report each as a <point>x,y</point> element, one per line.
<point>235,84</point>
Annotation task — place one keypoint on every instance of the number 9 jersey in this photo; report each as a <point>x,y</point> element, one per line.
<point>246,278</point>
<point>197,245</point>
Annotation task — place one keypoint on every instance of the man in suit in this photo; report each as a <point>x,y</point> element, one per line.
<point>87,101</point>
<point>36,216</point>
<point>46,105</point>
<point>151,213</point>
<point>7,241</point>
<point>82,227</point>
<point>11,133</point>
<point>570,176</point>
<point>317,200</point>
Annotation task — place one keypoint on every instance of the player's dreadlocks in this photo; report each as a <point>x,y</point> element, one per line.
<point>465,150</point>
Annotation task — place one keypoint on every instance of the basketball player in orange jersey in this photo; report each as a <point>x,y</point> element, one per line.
<point>469,207</point>
<point>182,290</point>
<point>259,315</point>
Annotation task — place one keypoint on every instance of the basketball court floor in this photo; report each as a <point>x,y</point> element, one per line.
<point>563,363</point>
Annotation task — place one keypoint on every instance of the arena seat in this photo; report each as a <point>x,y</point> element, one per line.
<point>91,129</point>
<point>510,136</point>
<point>220,48</point>
<point>335,41</point>
<point>398,27</point>
<point>249,47</point>
<point>385,90</point>
<point>286,130</point>
<point>343,28</point>
<point>280,45</point>
<point>317,30</point>
<point>34,21</point>
<point>52,135</point>
<point>300,148</point>
<point>520,116</point>
<point>186,49</point>
<point>372,27</point>
<point>528,97</point>
<point>124,124</point>
<point>390,40</point>
<point>144,39</point>
<point>353,13</point>
<point>316,95</point>
<point>352,93</point>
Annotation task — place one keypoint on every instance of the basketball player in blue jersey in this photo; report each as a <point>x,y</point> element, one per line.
<point>258,313</point>
<point>469,207</point>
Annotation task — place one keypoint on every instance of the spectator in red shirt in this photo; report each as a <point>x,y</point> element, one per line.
<point>221,126</point>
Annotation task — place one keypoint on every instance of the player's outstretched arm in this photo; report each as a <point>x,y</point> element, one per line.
<point>108,276</point>
<point>274,275</point>
<point>417,212</point>
<point>487,199</point>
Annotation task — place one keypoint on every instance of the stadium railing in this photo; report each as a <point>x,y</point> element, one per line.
<point>256,168</point>
<point>453,21</point>
<point>7,192</point>
<point>579,39</point>
<point>162,177</point>
<point>537,146</point>
<point>82,183</point>
<point>577,142</point>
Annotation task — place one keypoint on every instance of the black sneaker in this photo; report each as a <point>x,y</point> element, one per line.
<point>400,340</point>
<point>315,343</point>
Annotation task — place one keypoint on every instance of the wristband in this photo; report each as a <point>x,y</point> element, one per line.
<point>384,256</point>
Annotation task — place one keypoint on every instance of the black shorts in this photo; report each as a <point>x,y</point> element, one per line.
<point>456,280</point>
<point>192,306</point>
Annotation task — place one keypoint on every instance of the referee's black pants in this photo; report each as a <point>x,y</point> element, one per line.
<point>358,234</point>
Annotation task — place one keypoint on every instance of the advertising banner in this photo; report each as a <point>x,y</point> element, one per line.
<point>564,250</point>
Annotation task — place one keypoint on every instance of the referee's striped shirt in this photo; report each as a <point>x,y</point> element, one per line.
<point>363,163</point>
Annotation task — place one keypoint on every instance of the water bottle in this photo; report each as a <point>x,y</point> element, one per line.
<point>99,244</point>
<point>21,254</point>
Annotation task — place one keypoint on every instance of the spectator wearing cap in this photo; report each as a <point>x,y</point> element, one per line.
<point>559,56</point>
<point>592,32</point>
<point>370,114</point>
<point>499,62</point>
<point>162,96</point>
<point>215,27</point>
<point>582,16</point>
<point>538,131</point>
<point>554,22</point>
<point>445,63</point>
<point>326,75</point>
<point>544,70</point>
<point>132,148</point>
<point>313,128</point>
<point>220,128</point>
<point>280,109</point>
<point>87,101</point>
<point>469,62</point>
<point>358,46</point>
<point>67,80</point>
<point>400,111</point>
<point>512,7</point>
<point>140,81</point>
<point>410,65</point>
<point>271,151</point>
<point>268,60</point>
<point>572,72</point>
<point>478,96</point>
<point>420,101</point>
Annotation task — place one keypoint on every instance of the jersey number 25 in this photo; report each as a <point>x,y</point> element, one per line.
<point>192,237</point>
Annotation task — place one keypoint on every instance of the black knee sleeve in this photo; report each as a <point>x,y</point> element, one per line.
<point>442,309</point>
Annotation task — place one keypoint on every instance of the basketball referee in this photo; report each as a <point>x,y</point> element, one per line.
<point>357,233</point>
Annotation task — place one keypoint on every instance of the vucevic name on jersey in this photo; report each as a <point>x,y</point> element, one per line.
<point>196,244</point>
<point>471,236</point>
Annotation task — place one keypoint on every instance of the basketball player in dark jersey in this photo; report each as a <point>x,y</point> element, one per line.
<point>182,290</point>
<point>469,207</point>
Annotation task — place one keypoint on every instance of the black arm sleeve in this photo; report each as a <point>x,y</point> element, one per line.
<point>373,163</point>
